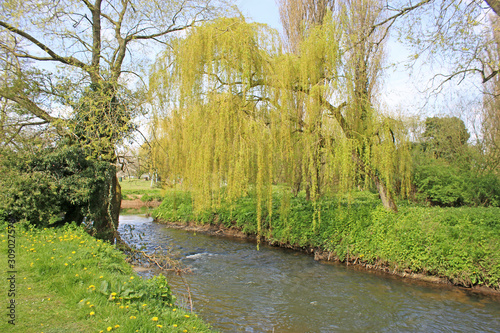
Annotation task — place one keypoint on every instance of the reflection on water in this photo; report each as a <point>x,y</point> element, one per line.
<point>239,289</point>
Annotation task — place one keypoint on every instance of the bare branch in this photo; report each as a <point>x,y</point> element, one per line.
<point>54,56</point>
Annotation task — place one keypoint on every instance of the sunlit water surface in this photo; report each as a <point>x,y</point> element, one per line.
<point>239,289</point>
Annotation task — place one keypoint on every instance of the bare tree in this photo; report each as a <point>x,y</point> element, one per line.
<point>298,16</point>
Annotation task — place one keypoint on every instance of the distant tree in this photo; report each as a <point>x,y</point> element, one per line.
<point>445,137</point>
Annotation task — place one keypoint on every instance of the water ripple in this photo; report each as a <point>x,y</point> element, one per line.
<point>239,289</point>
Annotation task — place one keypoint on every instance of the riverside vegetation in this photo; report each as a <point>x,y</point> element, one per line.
<point>247,114</point>
<point>459,244</point>
<point>68,281</point>
<point>235,109</point>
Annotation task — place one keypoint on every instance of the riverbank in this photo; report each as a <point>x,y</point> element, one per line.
<point>458,246</point>
<point>66,280</point>
<point>138,197</point>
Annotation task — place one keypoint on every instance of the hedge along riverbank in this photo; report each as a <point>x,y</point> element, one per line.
<point>68,281</point>
<point>461,245</point>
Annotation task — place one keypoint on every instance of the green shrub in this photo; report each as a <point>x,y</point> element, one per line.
<point>440,184</point>
<point>52,186</point>
<point>444,185</point>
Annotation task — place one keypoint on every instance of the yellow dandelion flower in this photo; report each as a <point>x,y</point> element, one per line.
<point>154,319</point>
<point>159,326</point>
<point>116,326</point>
<point>133,317</point>
<point>131,278</point>
<point>174,309</point>
<point>187,316</point>
<point>109,328</point>
<point>175,325</point>
<point>92,313</point>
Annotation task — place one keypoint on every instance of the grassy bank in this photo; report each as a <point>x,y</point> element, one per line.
<point>67,281</point>
<point>139,189</point>
<point>459,244</point>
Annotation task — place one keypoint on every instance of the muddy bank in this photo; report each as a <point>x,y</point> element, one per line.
<point>138,203</point>
<point>325,256</point>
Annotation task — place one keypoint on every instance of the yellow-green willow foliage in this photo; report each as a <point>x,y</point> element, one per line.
<point>235,113</point>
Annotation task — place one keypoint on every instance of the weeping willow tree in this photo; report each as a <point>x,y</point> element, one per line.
<point>235,113</point>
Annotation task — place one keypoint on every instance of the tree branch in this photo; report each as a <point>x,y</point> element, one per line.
<point>55,57</point>
<point>494,5</point>
<point>29,105</point>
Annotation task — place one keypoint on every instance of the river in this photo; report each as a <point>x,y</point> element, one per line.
<point>239,289</point>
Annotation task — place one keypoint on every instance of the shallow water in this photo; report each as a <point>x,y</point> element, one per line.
<point>239,289</point>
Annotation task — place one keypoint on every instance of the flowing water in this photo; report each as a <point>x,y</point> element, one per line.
<point>239,289</point>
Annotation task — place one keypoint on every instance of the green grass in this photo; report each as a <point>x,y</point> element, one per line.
<point>460,244</point>
<point>135,188</point>
<point>67,281</point>
<point>137,211</point>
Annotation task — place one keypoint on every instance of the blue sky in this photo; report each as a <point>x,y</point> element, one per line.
<point>263,11</point>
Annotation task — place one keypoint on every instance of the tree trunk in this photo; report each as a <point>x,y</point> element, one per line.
<point>495,5</point>
<point>106,224</point>
<point>115,203</point>
<point>385,195</point>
